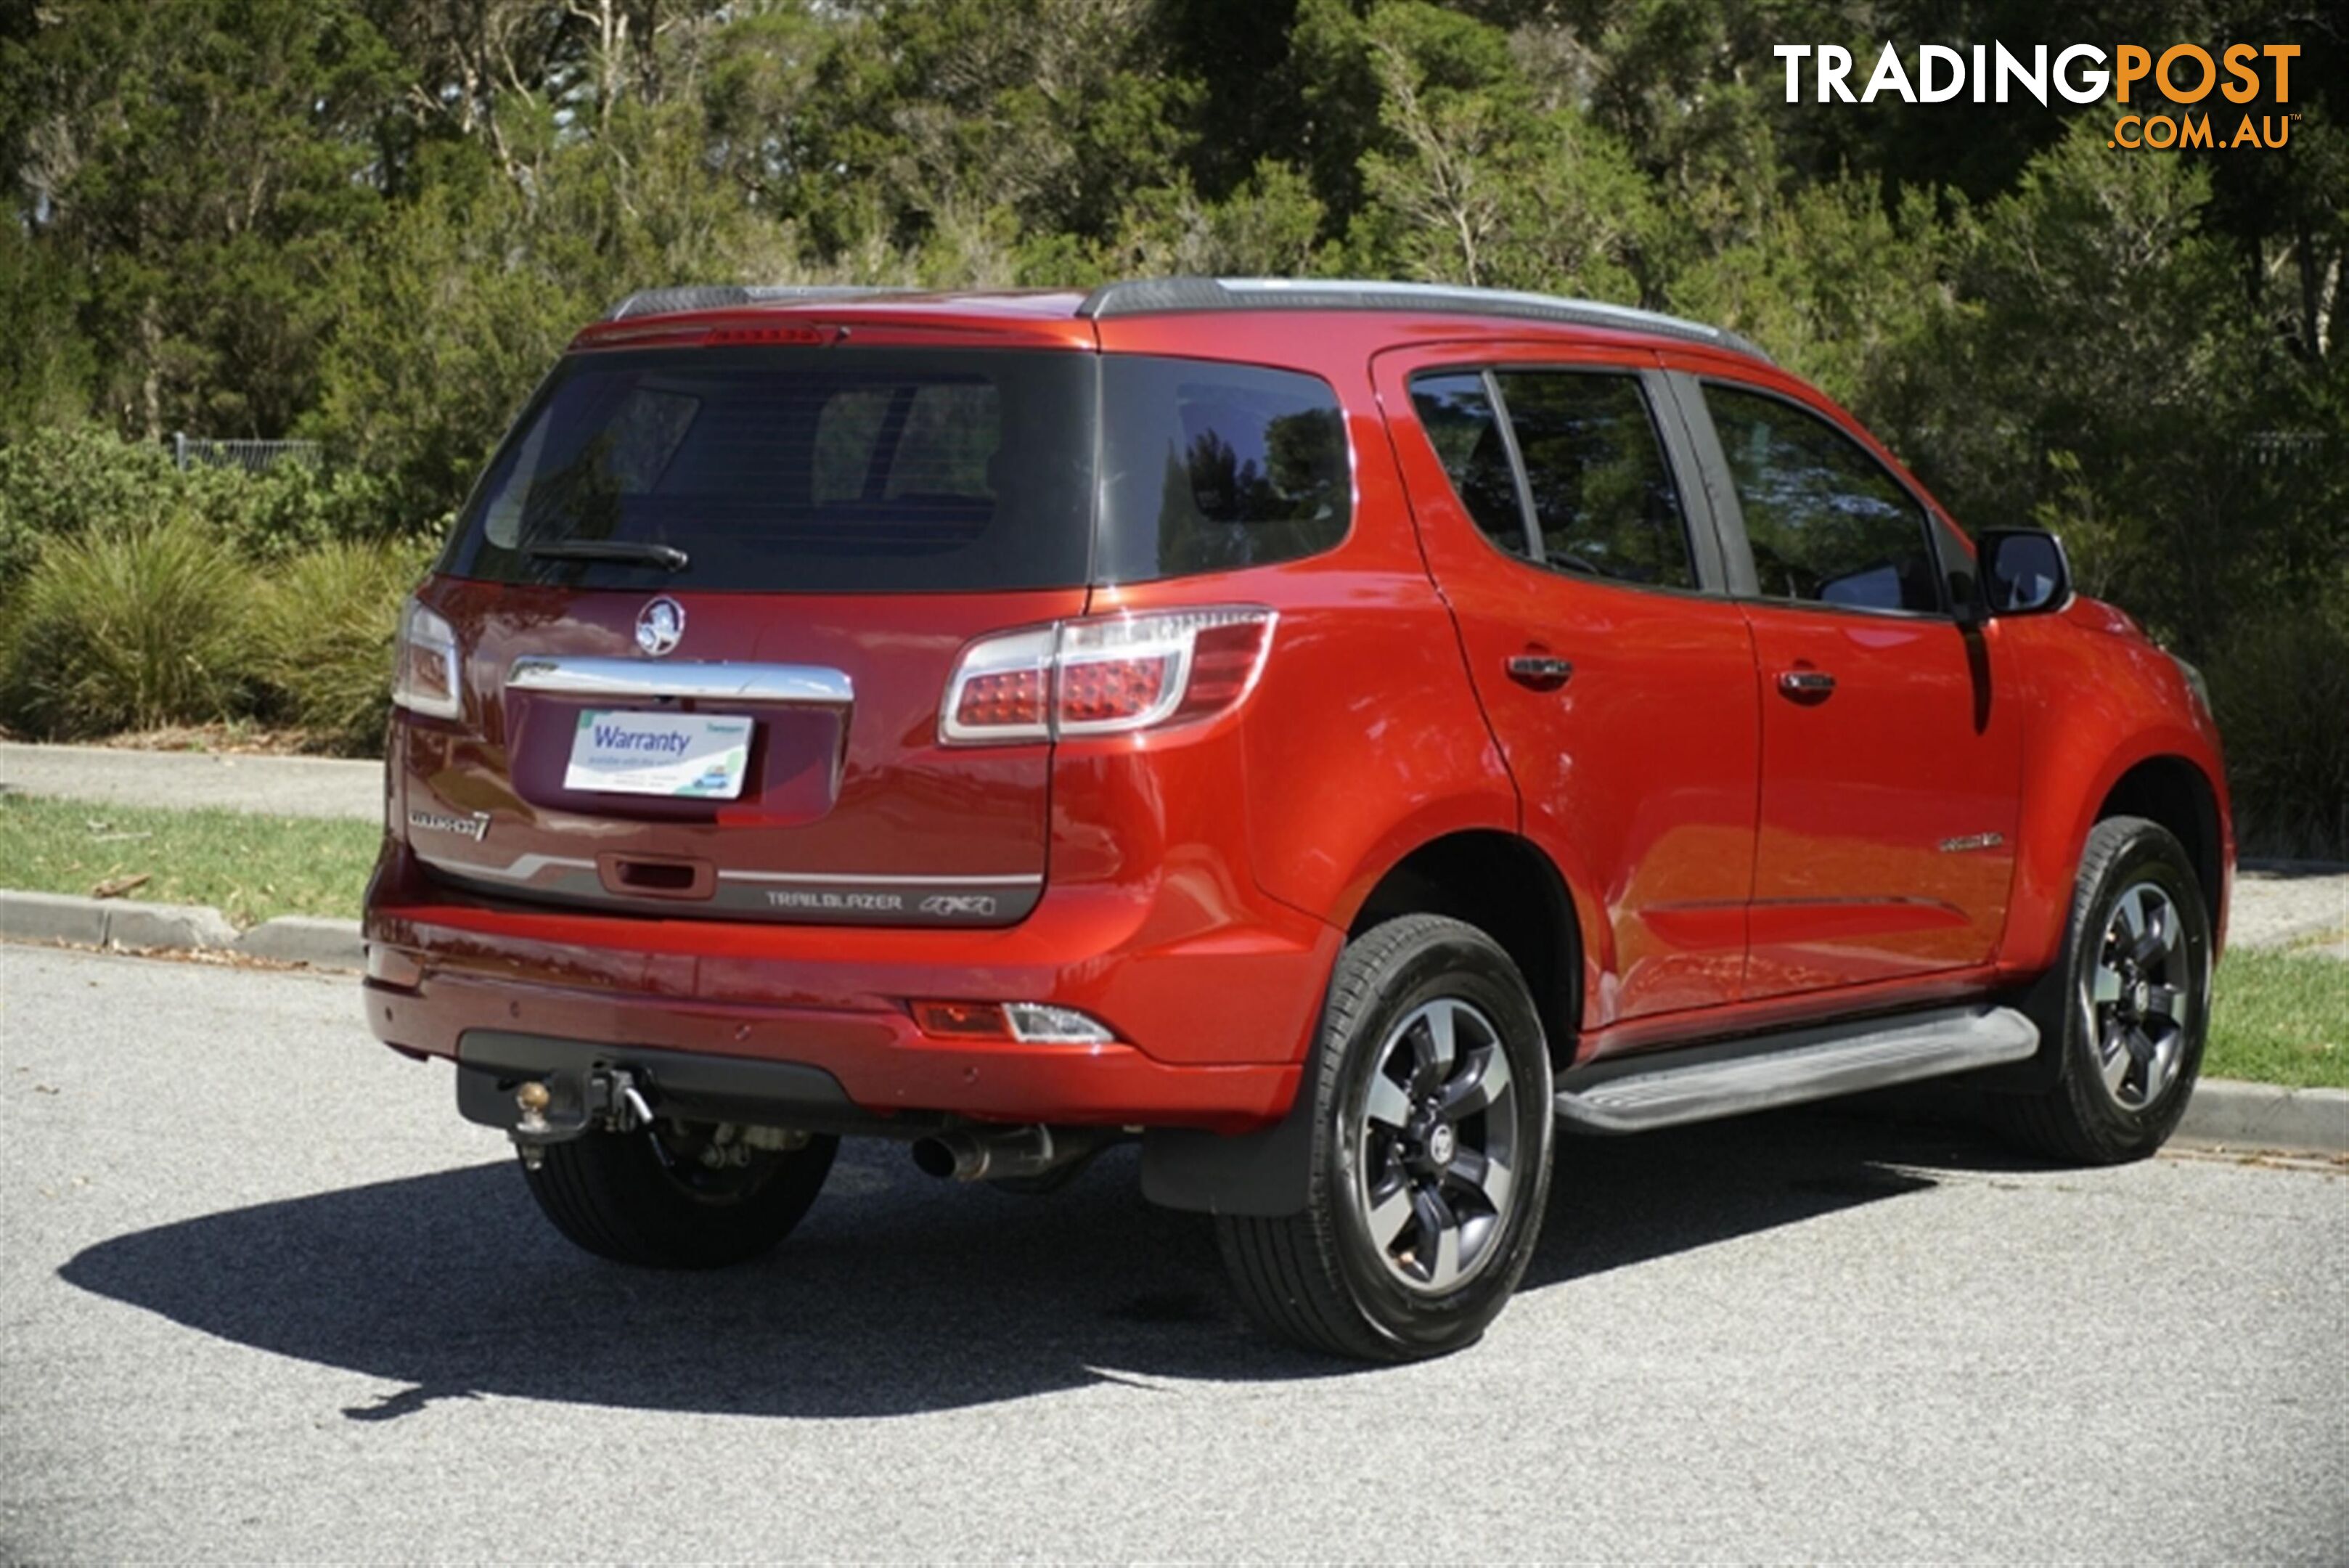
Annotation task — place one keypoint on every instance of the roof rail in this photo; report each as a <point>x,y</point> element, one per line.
<point>727,296</point>
<point>1165,295</point>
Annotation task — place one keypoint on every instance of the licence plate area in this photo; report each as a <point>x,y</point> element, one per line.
<point>793,779</point>
<point>672,755</point>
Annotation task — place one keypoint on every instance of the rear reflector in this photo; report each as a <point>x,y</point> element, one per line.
<point>1106,675</point>
<point>962,1019</point>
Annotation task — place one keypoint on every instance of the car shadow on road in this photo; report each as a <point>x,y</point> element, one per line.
<point>898,1294</point>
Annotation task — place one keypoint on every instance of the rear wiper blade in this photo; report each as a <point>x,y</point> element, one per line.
<point>667,557</point>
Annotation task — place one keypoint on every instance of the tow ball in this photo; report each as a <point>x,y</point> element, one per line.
<point>557,1111</point>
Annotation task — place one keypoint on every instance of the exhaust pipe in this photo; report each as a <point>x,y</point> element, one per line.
<point>975,1154</point>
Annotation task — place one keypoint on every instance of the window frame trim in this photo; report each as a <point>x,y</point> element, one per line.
<point>1745,586</point>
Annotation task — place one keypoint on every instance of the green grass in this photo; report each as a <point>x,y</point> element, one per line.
<point>249,867</point>
<point>2281,1018</point>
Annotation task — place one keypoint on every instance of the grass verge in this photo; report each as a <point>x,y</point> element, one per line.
<point>249,867</point>
<point>2280,1018</point>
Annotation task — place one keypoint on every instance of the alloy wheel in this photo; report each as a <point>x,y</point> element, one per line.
<point>1435,1131</point>
<point>2139,993</point>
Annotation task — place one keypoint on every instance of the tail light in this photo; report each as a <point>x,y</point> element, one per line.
<point>424,677</point>
<point>1105,676</point>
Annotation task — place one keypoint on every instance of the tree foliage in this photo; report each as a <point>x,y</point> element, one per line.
<point>374,221</point>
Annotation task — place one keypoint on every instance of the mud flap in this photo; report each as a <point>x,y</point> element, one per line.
<point>1262,1174</point>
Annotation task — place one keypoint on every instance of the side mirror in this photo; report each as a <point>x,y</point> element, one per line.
<point>2023,571</point>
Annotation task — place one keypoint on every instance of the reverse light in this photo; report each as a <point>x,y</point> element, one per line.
<point>1108,675</point>
<point>424,678</point>
<point>1031,1023</point>
<point>1041,1021</point>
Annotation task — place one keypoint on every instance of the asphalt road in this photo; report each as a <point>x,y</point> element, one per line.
<point>264,1297</point>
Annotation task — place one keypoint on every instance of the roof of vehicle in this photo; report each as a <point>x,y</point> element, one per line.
<point>1189,295</point>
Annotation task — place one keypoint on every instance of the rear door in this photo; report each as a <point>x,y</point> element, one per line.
<point>1890,757</point>
<point>1554,505</point>
<point>708,601</point>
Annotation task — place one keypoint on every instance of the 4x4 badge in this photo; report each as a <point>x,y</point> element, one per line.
<point>659,626</point>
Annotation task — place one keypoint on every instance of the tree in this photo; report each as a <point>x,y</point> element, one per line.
<point>198,163</point>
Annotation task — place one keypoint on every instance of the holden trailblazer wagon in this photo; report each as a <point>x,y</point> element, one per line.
<point>1342,737</point>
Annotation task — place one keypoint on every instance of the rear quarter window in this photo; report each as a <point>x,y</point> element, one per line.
<point>1210,467</point>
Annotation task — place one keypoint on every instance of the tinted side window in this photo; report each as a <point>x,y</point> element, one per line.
<point>1602,496</point>
<point>1210,467</point>
<point>1827,523</point>
<point>1460,422</point>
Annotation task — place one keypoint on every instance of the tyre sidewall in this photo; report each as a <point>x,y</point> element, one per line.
<point>2149,854</point>
<point>610,1193</point>
<point>1458,963</point>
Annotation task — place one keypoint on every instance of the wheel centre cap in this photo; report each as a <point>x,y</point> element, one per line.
<point>1441,1142</point>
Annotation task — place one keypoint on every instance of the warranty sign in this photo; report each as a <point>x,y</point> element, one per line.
<point>692,756</point>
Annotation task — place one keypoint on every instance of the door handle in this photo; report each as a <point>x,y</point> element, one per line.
<point>1540,673</point>
<point>1806,683</point>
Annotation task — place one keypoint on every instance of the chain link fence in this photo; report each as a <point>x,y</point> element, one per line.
<point>252,456</point>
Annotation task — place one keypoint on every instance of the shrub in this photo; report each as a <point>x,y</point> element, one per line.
<point>57,484</point>
<point>282,511</point>
<point>2280,686</point>
<point>128,628</point>
<point>54,483</point>
<point>323,647</point>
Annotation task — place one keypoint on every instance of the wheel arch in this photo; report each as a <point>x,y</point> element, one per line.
<point>1504,885</point>
<point>2172,791</point>
<point>2170,774</point>
<point>1490,878</point>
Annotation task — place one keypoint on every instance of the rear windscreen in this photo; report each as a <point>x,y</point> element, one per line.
<point>879,470</point>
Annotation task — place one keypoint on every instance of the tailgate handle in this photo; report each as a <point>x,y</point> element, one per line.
<point>655,877</point>
<point>648,680</point>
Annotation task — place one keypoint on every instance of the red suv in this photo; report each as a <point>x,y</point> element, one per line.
<point>1337,734</point>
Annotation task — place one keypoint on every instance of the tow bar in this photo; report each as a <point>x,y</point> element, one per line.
<point>607,1098</point>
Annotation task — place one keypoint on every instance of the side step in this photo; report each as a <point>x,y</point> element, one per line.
<point>1639,1094</point>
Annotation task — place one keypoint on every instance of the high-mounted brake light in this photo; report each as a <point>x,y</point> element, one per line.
<point>1106,675</point>
<point>424,678</point>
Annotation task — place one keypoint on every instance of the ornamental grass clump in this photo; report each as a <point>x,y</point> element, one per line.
<point>324,647</point>
<point>129,627</point>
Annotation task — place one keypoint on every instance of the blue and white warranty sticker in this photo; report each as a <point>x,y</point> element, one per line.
<point>698,756</point>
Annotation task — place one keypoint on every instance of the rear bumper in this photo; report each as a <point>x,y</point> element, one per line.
<point>1212,997</point>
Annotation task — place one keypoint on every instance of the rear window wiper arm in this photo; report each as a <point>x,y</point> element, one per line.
<point>669,557</point>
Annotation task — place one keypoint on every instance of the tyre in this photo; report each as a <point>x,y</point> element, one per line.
<point>2128,1004</point>
<point>1431,1153</point>
<point>678,1196</point>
